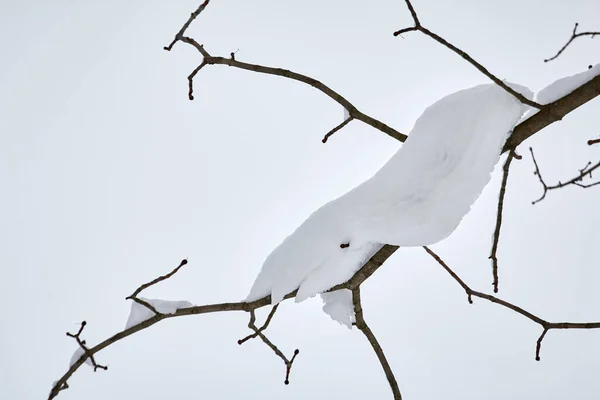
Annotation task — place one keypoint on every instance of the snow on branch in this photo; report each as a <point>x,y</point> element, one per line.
<point>574,35</point>
<point>546,325</point>
<point>468,58</point>
<point>585,172</point>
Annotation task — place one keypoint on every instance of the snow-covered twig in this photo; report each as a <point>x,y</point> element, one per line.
<point>258,332</point>
<point>543,323</point>
<point>468,58</point>
<point>574,35</point>
<point>361,324</point>
<point>493,256</point>
<point>585,171</point>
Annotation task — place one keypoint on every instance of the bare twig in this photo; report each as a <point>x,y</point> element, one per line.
<point>337,128</point>
<point>361,324</point>
<point>157,280</point>
<point>574,35</point>
<point>232,62</point>
<point>493,256</point>
<point>576,181</point>
<point>259,332</point>
<point>262,328</point>
<point>468,58</point>
<point>191,80</point>
<point>593,141</point>
<point>187,24</point>
<point>545,324</point>
<point>538,346</point>
<point>86,352</point>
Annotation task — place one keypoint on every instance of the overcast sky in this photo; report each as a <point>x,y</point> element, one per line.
<point>110,176</point>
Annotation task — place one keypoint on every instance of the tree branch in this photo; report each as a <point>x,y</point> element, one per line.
<point>574,35</point>
<point>187,24</point>
<point>361,324</point>
<point>367,270</point>
<point>586,171</point>
<point>553,112</point>
<point>259,332</point>
<point>337,128</point>
<point>468,58</point>
<point>543,323</point>
<point>493,255</point>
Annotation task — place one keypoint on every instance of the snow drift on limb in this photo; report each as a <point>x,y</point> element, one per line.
<point>417,198</point>
<point>566,85</point>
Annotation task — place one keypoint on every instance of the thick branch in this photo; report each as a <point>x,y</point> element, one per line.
<point>543,323</point>
<point>553,112</point>
<point>468,58</point>
<point>361,324</point>
<point>574,35</point>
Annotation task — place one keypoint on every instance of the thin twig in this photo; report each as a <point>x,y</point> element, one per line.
<point>576,181</point>
<point>187,24</point>
<point>468,58</point>
<point>191,80</point>
<point>574,35</point>
<point>262,328</point>
<point>86,352</point>
<point>593,141</point>
<point>493,256</point>
<point>157,280</point>
<point>544,324</point>
<point>337,128</point>
<point>259,332</point>
<point>361,324</point>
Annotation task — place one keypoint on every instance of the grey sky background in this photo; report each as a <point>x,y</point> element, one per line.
<point>110,176</point>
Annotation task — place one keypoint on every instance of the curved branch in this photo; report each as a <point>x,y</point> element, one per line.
<point>361,324</point>
<point>468,58</point>
<point>574,35</point>
<point>360,276</point>
<point>585,171</point>
<point>542,322</point>
<point>493,255</point>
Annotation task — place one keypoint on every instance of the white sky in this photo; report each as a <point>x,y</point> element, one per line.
<point>111,176</point>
